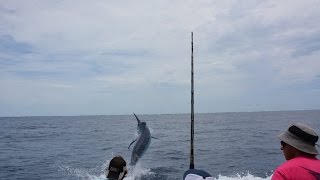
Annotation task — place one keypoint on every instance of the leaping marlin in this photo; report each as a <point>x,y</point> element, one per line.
<point>142,142</point>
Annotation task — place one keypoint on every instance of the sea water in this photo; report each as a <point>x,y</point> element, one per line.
<point>227,145</point>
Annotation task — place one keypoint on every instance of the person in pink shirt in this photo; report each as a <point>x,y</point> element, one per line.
<point>298,144</point>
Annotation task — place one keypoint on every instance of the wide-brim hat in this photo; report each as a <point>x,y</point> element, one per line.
<point>301,137</point>
<point>197,174</point>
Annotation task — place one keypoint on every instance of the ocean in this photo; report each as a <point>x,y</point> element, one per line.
<point>227,145</point>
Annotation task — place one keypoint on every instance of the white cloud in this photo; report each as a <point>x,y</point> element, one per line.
<point>88,54</point>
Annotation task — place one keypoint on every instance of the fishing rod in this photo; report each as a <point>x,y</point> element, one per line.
<point>192,109</point>
<point>193,173</point>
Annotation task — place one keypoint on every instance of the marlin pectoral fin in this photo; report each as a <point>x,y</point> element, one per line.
<point>155,138</point>
<point>131,143</point>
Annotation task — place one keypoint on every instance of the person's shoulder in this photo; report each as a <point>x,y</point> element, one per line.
<point>305,160</point>
<point>297,162</point>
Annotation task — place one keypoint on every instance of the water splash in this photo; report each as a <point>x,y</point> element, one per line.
<point>139,173</point>
<point>247,176</point>
<point>81,174</point>
<point>136,172</point>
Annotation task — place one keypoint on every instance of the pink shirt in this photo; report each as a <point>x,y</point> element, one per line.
<point>300,168</point>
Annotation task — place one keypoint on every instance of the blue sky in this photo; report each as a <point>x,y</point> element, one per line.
<point>117,57</point>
